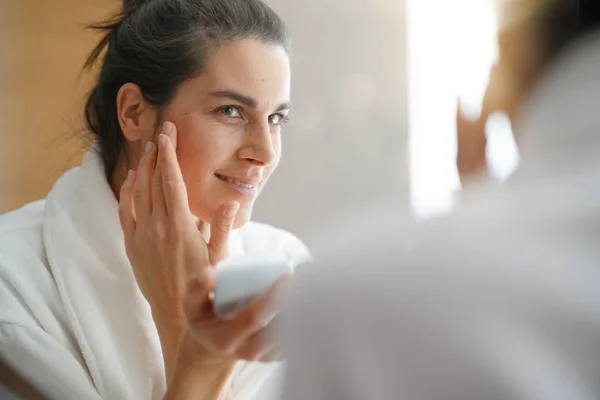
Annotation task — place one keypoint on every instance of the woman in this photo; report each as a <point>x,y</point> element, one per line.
<point>91,308</point>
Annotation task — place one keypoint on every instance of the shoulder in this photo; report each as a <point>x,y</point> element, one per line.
<point>25,279</point>
<point>30,215</point>
<point>21,232</point>
<point>257,236</point>
<point>384,262</point>
<point>491,254</point>
<point>454,301</point>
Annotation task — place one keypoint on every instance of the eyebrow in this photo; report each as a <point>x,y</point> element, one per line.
<point>246,100</point>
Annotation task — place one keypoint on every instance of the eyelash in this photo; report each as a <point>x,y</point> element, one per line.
<point>284,119</point>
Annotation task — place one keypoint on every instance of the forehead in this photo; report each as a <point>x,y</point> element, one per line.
<point>249,67</point>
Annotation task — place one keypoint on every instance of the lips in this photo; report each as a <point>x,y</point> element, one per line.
<point>243,184</point>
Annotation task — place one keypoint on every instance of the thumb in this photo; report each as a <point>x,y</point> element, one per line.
<point>220,227</point>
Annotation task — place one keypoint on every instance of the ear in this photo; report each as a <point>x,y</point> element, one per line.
<point>136,117</point>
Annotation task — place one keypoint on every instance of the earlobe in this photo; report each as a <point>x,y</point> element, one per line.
<point>134,114</point>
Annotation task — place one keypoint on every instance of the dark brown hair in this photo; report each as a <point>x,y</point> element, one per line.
<point>563,22</point>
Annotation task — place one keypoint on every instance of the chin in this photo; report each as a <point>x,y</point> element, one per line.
<point>206,214</point>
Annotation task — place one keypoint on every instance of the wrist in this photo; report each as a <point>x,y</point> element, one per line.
<point>199,384</point>
<point>170,331</point>
<point>192,355</point>
<point>169,320</point>
<point>197,373</point>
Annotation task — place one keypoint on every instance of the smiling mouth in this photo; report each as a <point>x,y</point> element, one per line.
<point>235,182</point>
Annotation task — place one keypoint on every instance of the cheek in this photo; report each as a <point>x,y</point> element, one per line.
<point>268,172</point>
<point>277,148</point>
<point>197,152</point>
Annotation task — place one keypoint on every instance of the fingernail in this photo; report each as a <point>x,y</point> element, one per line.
<point>162,140</point>
<point>149,147</point>
<point>167,127</point>
<point>129,174</point>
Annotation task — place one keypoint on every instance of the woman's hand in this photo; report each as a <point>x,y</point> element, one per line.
<point>250,335</point>
<point>162,240</point>
<point>209,349</point>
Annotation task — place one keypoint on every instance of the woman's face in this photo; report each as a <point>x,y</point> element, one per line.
<point>229,122</point>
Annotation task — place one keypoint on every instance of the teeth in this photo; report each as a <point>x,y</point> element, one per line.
<point>237,183</point>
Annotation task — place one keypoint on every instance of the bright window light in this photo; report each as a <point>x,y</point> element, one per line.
<point>451,49</point>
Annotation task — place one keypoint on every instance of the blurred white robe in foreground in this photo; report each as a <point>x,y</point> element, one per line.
<point>500,301</point>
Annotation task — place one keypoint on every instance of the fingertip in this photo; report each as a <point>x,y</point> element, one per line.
<point>163,148</point>
<point>163,141</point>
<point>148,148</point>
<point>130,176</point>
<point>170,130</point>
<point>231,208</point>
<point>168,127</point>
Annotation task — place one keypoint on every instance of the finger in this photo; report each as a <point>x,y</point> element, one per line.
<point>258,313</point>
<point>174,189</point>
<point>126,209</point>
<point>159,205</point>
<point>262,344</point>
<point>220,227</point>
<point>255,347</point>
<point>143,182</point>
<point>169,130</point>
<point>197,305</point>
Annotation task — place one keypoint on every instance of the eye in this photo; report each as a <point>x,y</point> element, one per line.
<point>230,111</point>
<point>278,119</point>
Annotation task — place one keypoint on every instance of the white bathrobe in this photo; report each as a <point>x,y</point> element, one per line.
<point>500,301</point>
<point>73,321</point>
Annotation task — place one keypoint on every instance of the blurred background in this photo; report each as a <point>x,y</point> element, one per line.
<point>43,46</point>
<point>376,85</point>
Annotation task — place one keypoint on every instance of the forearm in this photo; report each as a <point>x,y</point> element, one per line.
<point>192,383</point>
<point>170,331</point>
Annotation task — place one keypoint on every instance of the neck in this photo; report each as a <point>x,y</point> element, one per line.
<point>119,174</point>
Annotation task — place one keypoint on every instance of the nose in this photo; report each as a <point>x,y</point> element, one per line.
<point>259,147</point>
